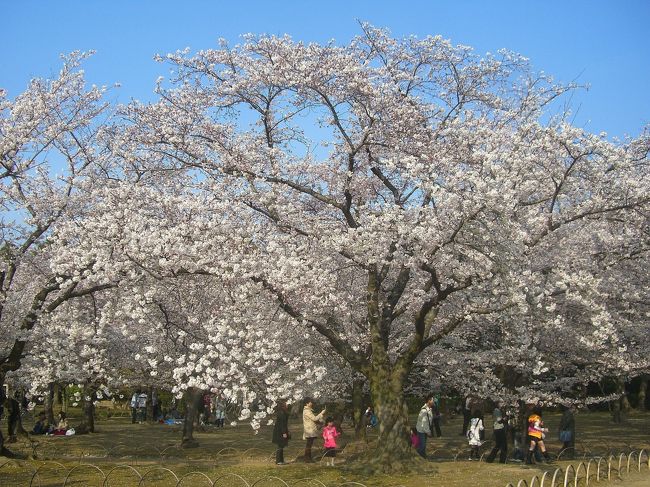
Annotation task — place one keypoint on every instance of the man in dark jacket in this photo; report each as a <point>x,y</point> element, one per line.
<point>281,432</point>
<point>567,432</point>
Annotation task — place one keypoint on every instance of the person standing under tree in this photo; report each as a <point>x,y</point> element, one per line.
<point>281,432</point>
<point>567,432</point>
<point>500,437</point>
<point>436,417</point>
<point>219,411</point>
<point>536,434</point>
<point>330,433</point>
<point>134,406</point>
<point>310,426</point>
<point>474,434</point>
<point>142,407</point>
<point>423,426</point>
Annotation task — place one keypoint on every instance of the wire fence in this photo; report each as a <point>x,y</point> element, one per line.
<point>587,472</point>
<point>145,465</point>
<point>51,473</point>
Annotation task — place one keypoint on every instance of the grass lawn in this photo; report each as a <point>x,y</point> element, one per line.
<point>237,450</point>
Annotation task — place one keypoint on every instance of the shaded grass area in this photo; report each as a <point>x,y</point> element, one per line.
<point>124,452</point>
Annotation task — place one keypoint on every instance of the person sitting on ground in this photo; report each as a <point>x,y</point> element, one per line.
<point>62,425</point>
<point>41,427</point>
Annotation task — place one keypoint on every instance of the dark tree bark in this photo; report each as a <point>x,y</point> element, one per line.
<point>89,408</point>
<point>393,453</point>
<point>643,389</point>
<point>58,396</point>
<point>625,401</point>
<point>193,397</point>
<point>48,404</point>
<point>5,452</point>
<point>14,420</point>
<point>357,409</point>
<point>616,404</point>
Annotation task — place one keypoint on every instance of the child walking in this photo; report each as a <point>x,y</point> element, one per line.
<point>474,434</point>
<point>330,433</point>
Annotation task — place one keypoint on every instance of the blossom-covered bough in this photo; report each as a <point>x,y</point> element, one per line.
<point>389,195</point>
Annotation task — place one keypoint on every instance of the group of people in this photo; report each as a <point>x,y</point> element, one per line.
<point>213,410</point>
<point>312,423</point>
<point>43,427</point>
<point>503,424</point>
<point>139,406</point>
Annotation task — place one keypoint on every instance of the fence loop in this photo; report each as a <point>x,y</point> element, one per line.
<point>156,470</point>
<point>231,475</point>
<point>269,478</point>
<point>310,480</point>
<point>84,465</point>
<point>569,469</point>
<point>190,474</point>
<point>581,466</point>
<point>43,465</point>
<point>642,452</point>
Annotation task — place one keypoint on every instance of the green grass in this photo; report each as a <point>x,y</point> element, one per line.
<point>237,450</point>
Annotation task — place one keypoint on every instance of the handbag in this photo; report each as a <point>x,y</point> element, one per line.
<point>565,436</point>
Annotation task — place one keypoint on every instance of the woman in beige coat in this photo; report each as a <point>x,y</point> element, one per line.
<point>310,426</point>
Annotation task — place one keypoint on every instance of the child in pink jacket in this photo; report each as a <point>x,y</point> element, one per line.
<point>330,433</point>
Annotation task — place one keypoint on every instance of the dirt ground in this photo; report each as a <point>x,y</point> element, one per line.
<point>121,454</point>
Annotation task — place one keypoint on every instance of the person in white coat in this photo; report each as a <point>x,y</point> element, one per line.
<point>474,434</point>
<point>423,426</point>
<point>310,426</point>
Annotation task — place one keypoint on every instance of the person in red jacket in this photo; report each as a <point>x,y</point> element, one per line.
<point>330,433</point>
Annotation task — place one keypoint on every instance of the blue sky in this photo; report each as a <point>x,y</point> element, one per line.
<point>598,42</point>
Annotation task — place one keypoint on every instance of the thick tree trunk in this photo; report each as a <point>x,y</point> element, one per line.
<point>357,409</point>
<point>643,389</point>
<point>617,413</point>
<point>58,397</point>
<point>89,410</point>
<point>14,420</point>
<point>625,402</point>
<point>193,397</point>
<point>393,453</point>
<point>48,404</point>
<point>617,416</point>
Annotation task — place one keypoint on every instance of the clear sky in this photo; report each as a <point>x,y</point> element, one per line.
<point>604,43</point>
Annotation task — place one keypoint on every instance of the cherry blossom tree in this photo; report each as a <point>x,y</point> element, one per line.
<point>387,194</point>
<point>407,203</point>
<point>47,149</point>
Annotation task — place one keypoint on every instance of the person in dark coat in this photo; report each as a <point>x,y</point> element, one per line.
<point>567,432</point>
<point>281,432</point>
<point>500,437</point>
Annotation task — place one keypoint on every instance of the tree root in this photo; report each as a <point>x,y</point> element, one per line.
<point>373,462</point>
